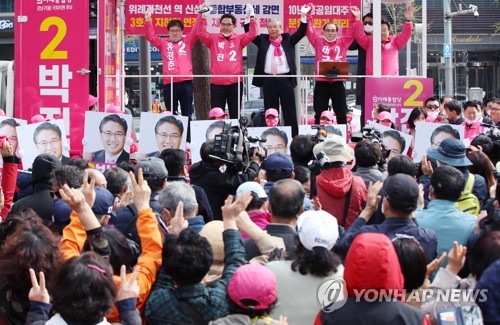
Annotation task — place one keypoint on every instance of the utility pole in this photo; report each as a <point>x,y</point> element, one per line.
<point>447,46</point>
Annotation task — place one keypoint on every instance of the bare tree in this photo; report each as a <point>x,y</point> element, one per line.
<point>201,66</point>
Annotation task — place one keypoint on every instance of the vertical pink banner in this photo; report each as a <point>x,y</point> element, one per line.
<point>52,60</point>
<point>109,54</point>
<point>402,95</point>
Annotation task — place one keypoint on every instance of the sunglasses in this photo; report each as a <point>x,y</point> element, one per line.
<point>432,107</point>
<point>368,23</point>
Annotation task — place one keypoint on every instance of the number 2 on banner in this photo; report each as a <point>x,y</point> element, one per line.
<point>419,87</point>
<point>49,52</point>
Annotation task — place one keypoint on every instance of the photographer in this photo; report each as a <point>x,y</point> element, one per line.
<point>218,185</point>
<point>367,155</point>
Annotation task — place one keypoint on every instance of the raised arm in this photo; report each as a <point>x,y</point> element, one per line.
<point>402,38</point>
<point>9,177</point>
<point>301,32</point>
<point>201,28</point>
<point>311,33</point>
<point>348,37</point>
<point>150,32</point>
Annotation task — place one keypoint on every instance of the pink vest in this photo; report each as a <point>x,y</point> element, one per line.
<point>226,55</point>
<point>390,48</point>
<point>176,56</point>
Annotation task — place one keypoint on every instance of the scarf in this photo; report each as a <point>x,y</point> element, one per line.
<point>277,43</point>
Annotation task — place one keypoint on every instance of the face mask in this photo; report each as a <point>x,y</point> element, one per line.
<point>272,122</point>
<point>387,124</point>
<point>324,122</point>
<point>433,114</point>
<point>368,29</point>
<point>349,118</point>
<point>226,35</point>
<point>470,121</point>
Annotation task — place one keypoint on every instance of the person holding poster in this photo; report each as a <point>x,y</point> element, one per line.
<point>113,131</point>
<point>8,129</point>
<point>176,56</point>
<point>226,58</point>
<point>330,48</point>
<point>48,139</point>
<point>276,56</point>
<point>390,44</point>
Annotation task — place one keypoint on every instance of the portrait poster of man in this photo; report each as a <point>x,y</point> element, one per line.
<point>204,130</point>
<point>107,138</point>
<point>8,127</point>
<point>431,134</point>
<point>330,129</point>
<point>159,132</point>
<point>396,142</point>
<point>278,138</point>
<point>46,137</point>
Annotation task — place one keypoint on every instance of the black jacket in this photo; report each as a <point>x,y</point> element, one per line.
<point>219,185</point>
<point>288,43</point>
<point>286,232</point>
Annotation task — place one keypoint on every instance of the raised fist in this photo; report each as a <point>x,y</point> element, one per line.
<point>304,9</point>
<point>250,11</point>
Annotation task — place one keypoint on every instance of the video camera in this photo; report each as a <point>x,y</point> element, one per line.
<point>493,133</point>
<point>374,136</point>
<point>232,145</point>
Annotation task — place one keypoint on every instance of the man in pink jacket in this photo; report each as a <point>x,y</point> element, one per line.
<point>176,56</point>
<point>226,58</point>
<point>390,44</point>
<point>330,48</point>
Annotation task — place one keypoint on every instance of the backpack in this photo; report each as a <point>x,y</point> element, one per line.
<point>468,202</point>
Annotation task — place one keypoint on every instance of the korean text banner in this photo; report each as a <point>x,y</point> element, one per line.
<point>51,67</point>
<point>287,11</point>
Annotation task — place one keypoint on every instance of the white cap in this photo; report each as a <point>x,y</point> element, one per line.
<point>317,229</point>
<point>252,187</point>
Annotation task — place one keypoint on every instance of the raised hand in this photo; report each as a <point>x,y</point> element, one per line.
<point>456,258</point>
<point>128,287</point>
<point>304,10</point>
<point>231,210</point>
<point>434,265</point>
<point>373,199</point>
<point>125,200</point>
<point>409,12</point>
<point>88,188</point>
<point>355,12</point>
<point>178,223</point>
<point>147,15</point>
<point>38,292</point>
<point>426,166</point>
<point>250,11</point>
<point>74,198</point>
<point>142,192</point>
<point>7,150</point>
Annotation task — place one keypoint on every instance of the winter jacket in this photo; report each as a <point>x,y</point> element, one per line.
<point>370,174</point>
<point>334,51</point>
<point>260,218</point>
<point>283,231</point>
<point>226,54</point>
<point>472,130</point>
<point>372,264</point>
<point>333,185</point>
<point>9,176</point>
<point>195,223</point>
<point>176,56</point>
<point>390,48</point>
<point>219,185</point>
<point>74,237</point>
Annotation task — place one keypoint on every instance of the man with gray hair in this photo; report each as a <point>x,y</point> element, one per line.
<point>170,197</point>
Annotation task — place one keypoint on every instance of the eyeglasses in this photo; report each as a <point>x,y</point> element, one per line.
<point>173,136</point>
<point>175,30</point>
<point>226,25</point>
<point>51,142</point>
<point>108,134</point>
<point>279,147</point>
<point>432,107</point>
<point>368,23</point>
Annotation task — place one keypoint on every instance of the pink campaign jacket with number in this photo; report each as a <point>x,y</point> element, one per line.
<point>176,56</point>
<point>390,48</point>
<point>226,56</point>
<point>334,51</point>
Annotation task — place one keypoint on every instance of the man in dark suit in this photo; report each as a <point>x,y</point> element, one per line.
<point>276,56</point>
<point>113,130</point>
<point>48,139</point>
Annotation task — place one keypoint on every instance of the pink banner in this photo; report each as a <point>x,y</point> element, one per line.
<point>109,59</point>
<point>402,95</point>
<point>52,58</point>
<point>287,11</point>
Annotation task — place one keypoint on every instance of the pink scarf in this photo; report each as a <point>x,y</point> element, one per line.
<point>277,43</point>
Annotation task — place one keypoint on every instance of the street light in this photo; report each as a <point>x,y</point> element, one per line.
<point>447,46</point>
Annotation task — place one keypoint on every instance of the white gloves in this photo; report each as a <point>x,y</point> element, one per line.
<point>304,9</point>
<point>249,10</point>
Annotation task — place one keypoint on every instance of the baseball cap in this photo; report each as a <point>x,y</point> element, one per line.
<point>217,112</point>
<point>38,119</point>
<point>278,163</point>
<point>243,285</point>
<point>251,187</point>
<point>384,116</point>
<point>328,114</point>
<point>451,152</point>
<point>335,148</point>
<point>152,167</point>
<point>92,100</point>
<point>104,202</point>
<point>317,229</point>
<point>272,112</point>
<point>402,192</point>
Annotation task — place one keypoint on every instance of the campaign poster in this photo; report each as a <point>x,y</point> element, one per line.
<point>46,137</point>
<point>395,142</point>
<point>330,129</point>
<point>107,139</point>
<point>277,139</point>
<point>431,134</point>
<point>204,130</point>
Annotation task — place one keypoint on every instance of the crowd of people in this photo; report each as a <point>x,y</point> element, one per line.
<point>163,242</point>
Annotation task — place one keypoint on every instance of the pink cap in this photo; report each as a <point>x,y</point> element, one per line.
<point>113,109</point>
<point>384,116</point>
<point>167,112</point>
<point>272,112</point>
<point>38,119</point>
<point>92,100</point>
<point>217,112</point>
<point>243,286</point>
<point>2,113</point>
<point>328,114</point>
